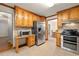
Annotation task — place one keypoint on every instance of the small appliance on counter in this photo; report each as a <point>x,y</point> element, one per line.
<point>39,31</point>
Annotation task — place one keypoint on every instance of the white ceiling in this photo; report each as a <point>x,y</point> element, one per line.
<point>43,10</point>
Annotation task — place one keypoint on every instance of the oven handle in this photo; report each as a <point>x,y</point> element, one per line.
<point>70,43</point>
<point>69,36</point>
<point>70,40</point>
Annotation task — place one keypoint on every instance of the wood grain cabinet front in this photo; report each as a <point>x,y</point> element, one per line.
<point>25,19</point>
<point>19,17</point>
<point>58,39</point>
<point>42,18</point>
<point>65,15</point>
<point>30,20</point>
<point>74,13</point>
<point>34,18</point>
<point>59,21</point>
<point>31,41</point>
<point>38,18</point>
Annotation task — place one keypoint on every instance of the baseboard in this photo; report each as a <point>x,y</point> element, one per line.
<point>21,45</point>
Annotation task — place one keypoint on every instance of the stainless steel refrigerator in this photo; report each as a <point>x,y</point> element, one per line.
<point>39,31</point>
<point>5,30</point>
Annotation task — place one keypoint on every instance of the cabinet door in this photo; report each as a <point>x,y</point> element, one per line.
<point>37,17</point>
<point>19,17</point>
<point>42,18</point>
<point>74,13</point>
<point>65,15</point>
<point>59,20</point>
<point>31,41</point>
<point>58,39</point>
<point>30,21</point>
<point>34,18</point>
<point>25,20</point>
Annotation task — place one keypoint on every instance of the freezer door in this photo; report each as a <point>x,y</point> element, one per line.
<point>40,34</point>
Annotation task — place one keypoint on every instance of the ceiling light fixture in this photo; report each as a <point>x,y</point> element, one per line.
<point>49,4</point>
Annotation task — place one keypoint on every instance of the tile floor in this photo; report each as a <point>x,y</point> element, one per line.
<point>47,49</point>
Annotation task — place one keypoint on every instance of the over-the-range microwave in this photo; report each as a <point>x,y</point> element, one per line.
<point>24,32</point>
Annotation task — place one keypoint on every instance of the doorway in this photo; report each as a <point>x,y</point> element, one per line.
<point>52,27</point>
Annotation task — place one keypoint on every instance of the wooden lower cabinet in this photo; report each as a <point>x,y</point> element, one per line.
<point>31,40</point>
<point>58,39</point>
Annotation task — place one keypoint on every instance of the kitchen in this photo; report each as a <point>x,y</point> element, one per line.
<point>30,29</point>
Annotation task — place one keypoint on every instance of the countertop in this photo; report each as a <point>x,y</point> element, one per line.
<point>24,36</point>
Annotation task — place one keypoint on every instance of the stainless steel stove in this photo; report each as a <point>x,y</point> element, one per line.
<point>71,39</point>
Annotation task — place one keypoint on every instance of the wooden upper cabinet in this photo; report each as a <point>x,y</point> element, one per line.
<point>19,17</point>
<point>30,20</point>
<point>59,20</point>
<point>69,14</point>
<point>65,15</point>
<point>34,18</point>
<point>25,19</point>
<point>38,17</point>
<point>74,13</point>
<point>42,18</point>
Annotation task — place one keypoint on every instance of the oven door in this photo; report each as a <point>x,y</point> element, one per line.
<point>70,38</point>
<point>70,45</point>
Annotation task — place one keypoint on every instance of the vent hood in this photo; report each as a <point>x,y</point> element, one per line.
<point>71,21</point>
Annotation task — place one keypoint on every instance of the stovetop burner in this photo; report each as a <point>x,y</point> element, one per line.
<point>70,32</point>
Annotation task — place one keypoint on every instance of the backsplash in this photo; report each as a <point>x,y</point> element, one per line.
<point>71,26</point>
